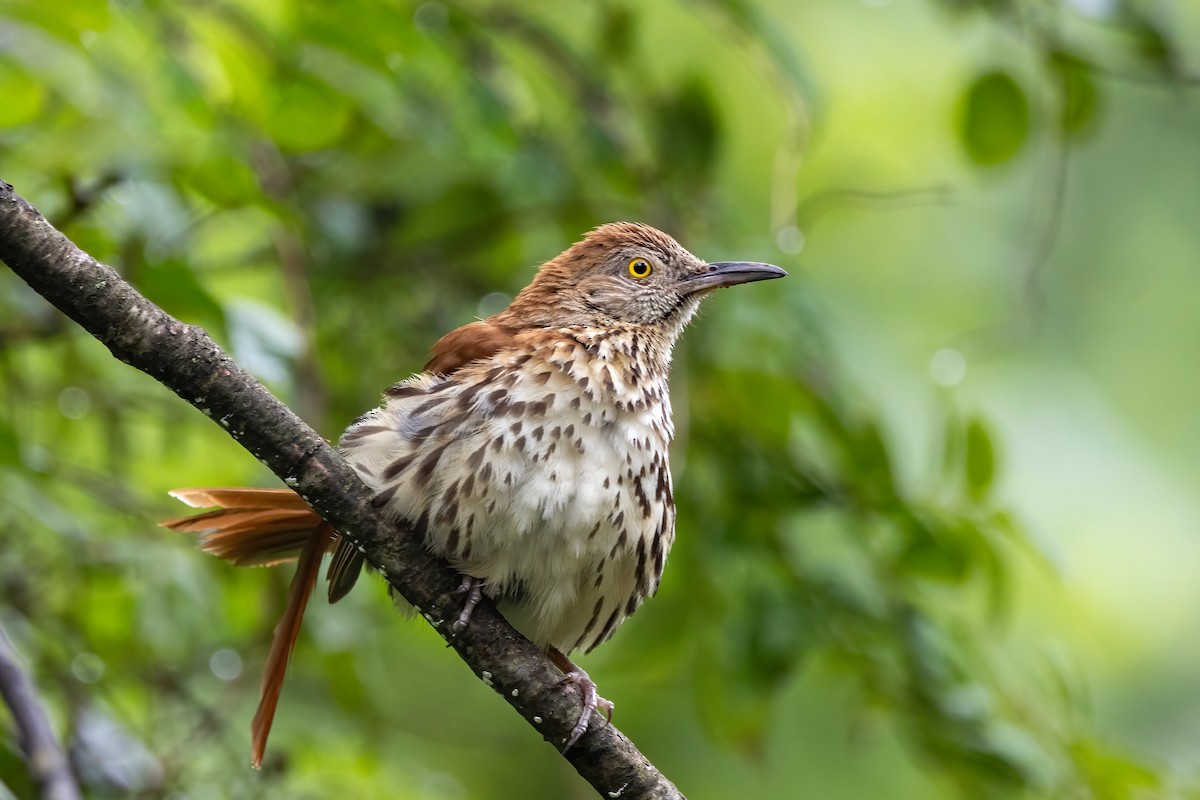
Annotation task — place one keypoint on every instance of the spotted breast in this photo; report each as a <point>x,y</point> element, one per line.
<point>542,471</point>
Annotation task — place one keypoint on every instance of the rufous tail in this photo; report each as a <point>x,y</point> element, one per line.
<point>262,527</point>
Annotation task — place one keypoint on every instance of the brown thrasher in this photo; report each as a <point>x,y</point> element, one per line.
<point>531,454</point>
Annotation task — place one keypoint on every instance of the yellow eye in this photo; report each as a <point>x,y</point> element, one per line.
<point>639,268</point>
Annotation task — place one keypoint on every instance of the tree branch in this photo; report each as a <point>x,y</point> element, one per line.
<point>48,766</point>
<point>186,360</point>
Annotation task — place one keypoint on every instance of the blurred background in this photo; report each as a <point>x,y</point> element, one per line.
<point>939,533</point>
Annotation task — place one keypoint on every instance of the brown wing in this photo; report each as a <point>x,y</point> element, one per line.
<point>469,343</point>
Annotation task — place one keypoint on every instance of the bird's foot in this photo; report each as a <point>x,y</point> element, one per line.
<point>473,589</point>
<point>578,680</point>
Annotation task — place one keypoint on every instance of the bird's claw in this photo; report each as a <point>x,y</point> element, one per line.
<point>578,681</point>
<point>472,588</point>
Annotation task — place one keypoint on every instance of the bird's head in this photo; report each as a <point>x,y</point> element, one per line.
<point>627,273</point>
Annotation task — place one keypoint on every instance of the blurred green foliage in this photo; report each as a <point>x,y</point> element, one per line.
<point>327,187</point>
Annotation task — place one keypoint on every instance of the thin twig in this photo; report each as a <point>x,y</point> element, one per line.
<point>48,765</point>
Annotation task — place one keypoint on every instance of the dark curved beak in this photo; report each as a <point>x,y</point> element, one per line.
<point>730,273</point>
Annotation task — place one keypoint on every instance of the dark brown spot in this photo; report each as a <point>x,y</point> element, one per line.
<point>591,622</point>
<point>595,530</point>
<point>519,444</point>
<point>642,579</point>
<point>476,458</point>
<point>498,443</point>
<point>428,465</point>
<point>663,490</point>
<point>485,474</point>
<point>541,378</point>
<point>515,427</point>
<point>587,418</point>
<point>366,430</point>
<point>618,545</point>
<point>400,390</point>
<point>398,466</point>
<point>640,494</point>
<point>427,405</point>
<point>497,396</point>
<point>451,540</point>
<point>383,498</point>
<point>607,631</point>
<point>574,404</point>
<point>536,433</point>
<point>467,395</point>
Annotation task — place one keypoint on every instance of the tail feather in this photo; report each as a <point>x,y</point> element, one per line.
<point>263,527</point>
<point>284,641</point>
<point>241,497</point>
<point>252,527</point>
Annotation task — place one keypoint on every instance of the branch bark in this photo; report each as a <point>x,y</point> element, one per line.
<point>48,765</point>
<point>186,360</point>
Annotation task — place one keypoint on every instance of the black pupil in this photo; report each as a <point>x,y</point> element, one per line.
<point>639,267</point>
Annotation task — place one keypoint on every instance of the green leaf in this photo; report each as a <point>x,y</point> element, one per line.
<point>930,561</point>
<point>307,116</point>
<point>687,131</point>
<point>174,286</point>
<point>1077,92</point>
<point>993,119</point>
<point>23,97</point>
<point>616,33</point>
<point>981,460</point>
<point>873,462</point>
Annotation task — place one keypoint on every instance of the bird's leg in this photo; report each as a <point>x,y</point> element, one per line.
<point>473,589</point>
<point>578,680</point>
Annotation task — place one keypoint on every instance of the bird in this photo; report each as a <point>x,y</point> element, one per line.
<point>531,453</point>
